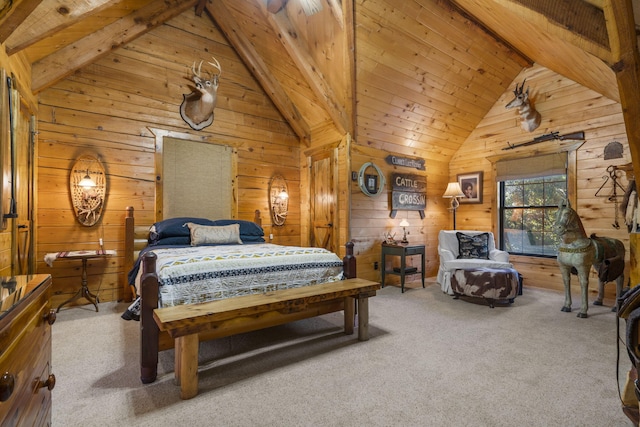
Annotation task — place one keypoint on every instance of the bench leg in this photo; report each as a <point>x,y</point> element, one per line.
<point>363,318</point>
<point>186,365</point>
<point>349,314</point>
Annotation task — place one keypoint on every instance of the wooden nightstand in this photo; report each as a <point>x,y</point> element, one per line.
<point>403,251</point>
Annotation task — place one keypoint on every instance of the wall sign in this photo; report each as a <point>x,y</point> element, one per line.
<point>406,162</point>
<point>408,193</point>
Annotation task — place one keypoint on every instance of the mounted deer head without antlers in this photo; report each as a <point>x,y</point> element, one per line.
<point>197,107</point>
<point>529,117</point>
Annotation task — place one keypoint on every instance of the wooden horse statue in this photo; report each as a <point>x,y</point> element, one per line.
<point>577,253</point>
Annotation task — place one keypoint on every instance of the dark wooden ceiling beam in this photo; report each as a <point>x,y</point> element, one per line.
<point>309,69</point>
<point>225,20</point>
<point>627,68</point>
<point>65,61</point>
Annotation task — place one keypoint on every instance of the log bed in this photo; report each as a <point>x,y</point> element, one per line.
<point>164,328</point>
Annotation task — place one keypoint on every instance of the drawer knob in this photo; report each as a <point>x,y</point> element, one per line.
<point>50,317</point>
<point>50,383</point>
<point>7,382</point>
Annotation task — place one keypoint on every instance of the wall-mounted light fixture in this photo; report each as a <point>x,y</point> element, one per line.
<point>278,200</point>
<point>311,6</point>
<point>88,188</point>
<point>404,224</point>
<point>453,192</point>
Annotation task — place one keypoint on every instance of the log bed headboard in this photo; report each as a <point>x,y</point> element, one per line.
<point>137,237</point>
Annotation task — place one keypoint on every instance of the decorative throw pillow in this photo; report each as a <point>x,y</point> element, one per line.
<point>206,234</point>
<point>476,246</point>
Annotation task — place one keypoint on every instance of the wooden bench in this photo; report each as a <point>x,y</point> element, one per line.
<point>252,312</point>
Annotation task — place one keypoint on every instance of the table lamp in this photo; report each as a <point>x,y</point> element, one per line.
<point>404,223</point>
<point>453,192</point>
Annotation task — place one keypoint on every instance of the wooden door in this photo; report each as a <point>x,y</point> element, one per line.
<point>322,203</point>
<point>24,181</point>
<point>18,182</point>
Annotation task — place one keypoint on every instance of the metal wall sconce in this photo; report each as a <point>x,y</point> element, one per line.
<point>453,192</point>
<point>278,200</point>
<point>88,187</point>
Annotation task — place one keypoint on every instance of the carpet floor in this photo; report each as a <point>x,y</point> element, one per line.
<point>430,361</point>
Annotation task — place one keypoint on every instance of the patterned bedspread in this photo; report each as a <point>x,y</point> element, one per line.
<point>206,273</point>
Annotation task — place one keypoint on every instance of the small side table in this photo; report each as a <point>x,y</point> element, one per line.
<point>403,251</point>
<point>84,288</point>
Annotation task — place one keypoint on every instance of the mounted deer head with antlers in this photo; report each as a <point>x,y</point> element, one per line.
<point>197,107</point>
<point>529,117</point>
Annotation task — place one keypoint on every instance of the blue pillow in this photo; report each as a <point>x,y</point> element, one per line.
<point>247,228</point>
<point>173,240</point>
<point>251,239</point>
<point>174,227</point>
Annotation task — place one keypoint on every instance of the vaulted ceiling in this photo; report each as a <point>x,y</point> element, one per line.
<point>307,64</point>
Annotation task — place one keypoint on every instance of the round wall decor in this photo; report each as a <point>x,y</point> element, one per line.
<point>371,179</point>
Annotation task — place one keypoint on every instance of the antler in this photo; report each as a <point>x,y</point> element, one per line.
<point>216,65</point>
<point>193,69</point>
<point>213,76</point>
<point>519,91</point>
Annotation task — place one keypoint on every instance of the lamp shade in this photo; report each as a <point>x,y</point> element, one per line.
<point>283,194</point>
<point>404,223</point>
<point>453,190</point>
<point>87,182</point>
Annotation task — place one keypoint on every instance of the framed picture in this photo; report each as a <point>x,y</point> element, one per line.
<point>471,184</point>
<point>371,182</point>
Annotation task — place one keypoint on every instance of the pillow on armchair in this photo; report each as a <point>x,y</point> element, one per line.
<point>467,249</point>
<point>473,247</point>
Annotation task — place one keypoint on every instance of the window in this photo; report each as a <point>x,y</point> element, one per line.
<point>530,191</point>
<point>528,208</point>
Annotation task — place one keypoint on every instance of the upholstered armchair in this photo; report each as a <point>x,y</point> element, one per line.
<point>460,249</point>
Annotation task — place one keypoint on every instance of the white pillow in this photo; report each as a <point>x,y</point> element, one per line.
<point>209,234</point>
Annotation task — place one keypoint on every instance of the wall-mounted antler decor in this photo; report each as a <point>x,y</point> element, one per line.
<point>88,187</point>
<point>197,107</point>
<point>529,117</point>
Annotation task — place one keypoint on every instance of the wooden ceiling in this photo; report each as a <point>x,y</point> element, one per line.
<point>308,64</point>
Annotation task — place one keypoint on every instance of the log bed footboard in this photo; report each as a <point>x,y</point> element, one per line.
<point>318,302</point>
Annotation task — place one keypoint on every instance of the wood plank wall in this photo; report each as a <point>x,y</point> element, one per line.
<point>425,77</point>
<point>565,107</point>
<point>107,109</point>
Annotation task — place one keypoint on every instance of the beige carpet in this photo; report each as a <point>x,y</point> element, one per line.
<point>431,361</point>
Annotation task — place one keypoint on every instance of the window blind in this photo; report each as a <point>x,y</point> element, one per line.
<point>197,179</point>
<point>532,167</point>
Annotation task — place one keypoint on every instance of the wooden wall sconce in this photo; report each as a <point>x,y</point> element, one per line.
<point>278,200</point>
<point>88,187</point>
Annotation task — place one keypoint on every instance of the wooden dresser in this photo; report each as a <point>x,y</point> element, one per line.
<point>26,380</point>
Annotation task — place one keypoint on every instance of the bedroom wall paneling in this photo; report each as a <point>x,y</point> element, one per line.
<point>111,108</point>
<point>370,216</point>
<point>421,103</point>
<point>565,107</point>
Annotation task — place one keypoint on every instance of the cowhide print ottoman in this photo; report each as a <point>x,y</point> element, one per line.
<point>492,284</point>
